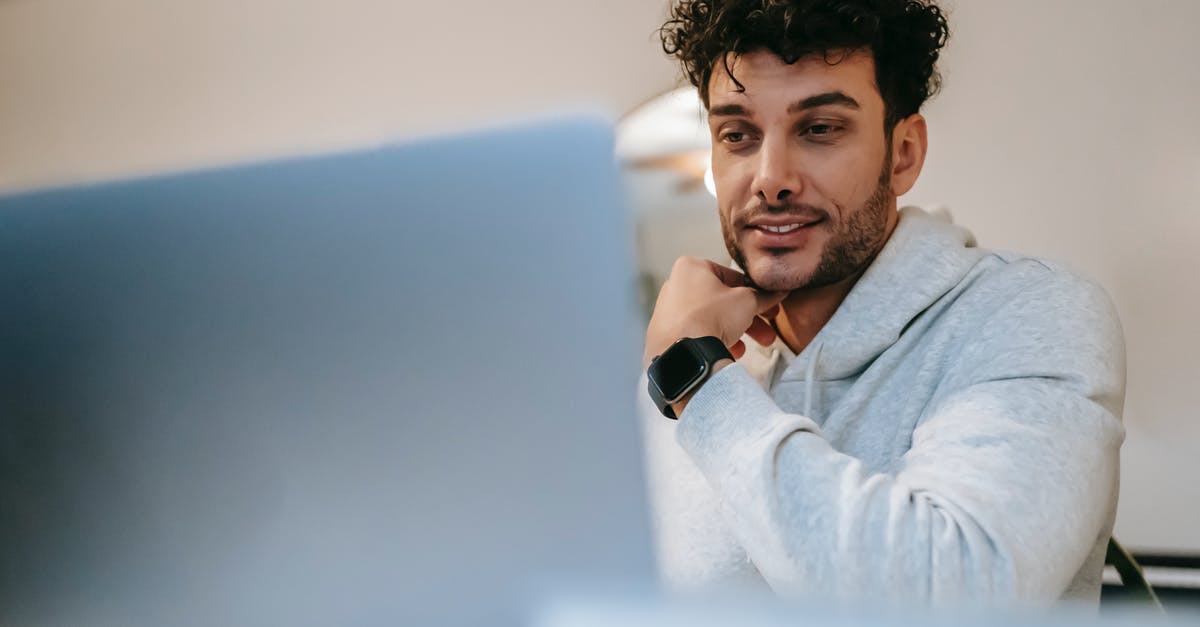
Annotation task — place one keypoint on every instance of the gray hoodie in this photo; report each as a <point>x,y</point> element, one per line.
<point>951,434</point>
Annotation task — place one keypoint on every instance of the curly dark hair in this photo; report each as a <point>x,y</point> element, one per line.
<point>904,36</point>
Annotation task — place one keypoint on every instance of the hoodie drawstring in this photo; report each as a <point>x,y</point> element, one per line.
<point>811,375</point>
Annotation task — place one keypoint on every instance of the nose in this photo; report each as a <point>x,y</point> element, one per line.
<point>777,176</point>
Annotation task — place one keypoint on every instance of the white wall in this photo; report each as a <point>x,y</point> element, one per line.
<point>1068,128</point>
<point>1071,129</point>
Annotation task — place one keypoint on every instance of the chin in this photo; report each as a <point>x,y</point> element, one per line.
<point>781,284</point>
<point>780,274</point>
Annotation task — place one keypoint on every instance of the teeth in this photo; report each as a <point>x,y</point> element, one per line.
<point>781,229</point>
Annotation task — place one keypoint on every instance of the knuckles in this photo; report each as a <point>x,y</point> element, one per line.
<point>687,264</point>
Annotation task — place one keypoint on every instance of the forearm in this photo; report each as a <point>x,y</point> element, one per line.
<point>695,547</point>
<point>814,521</point>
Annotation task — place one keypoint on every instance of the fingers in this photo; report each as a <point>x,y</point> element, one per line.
<point>761,331</point>
<point>702,297</point>
<point>768,302</point>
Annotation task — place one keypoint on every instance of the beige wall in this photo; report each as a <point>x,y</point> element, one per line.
<point>98,89</point>
<point>1068,128</point>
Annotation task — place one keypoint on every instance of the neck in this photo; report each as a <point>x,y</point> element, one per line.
<point>803,313</point>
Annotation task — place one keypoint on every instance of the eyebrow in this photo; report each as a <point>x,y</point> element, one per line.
<point>812,102</point>
<point>827,98</point>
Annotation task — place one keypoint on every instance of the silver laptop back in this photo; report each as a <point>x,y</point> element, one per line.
<point>392,386</point>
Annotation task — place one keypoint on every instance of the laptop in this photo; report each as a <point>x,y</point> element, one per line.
<point>389,386</point>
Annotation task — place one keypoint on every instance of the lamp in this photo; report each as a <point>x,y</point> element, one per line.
<point>665,149</point>
<point>669,133</point>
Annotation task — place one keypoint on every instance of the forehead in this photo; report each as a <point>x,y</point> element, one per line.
<point>765,77</point>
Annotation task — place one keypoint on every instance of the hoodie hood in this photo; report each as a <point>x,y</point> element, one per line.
<point>925,258</point>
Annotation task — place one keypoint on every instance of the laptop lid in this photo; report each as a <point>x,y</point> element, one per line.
<point>385,386</point>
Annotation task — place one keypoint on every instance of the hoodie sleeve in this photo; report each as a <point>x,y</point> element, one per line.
<point>1006,488</point>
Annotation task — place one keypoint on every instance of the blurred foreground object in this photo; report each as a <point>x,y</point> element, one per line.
<point>767,610</point>
<point>384,387</point>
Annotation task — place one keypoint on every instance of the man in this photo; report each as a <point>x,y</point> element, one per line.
<point>909,416</point>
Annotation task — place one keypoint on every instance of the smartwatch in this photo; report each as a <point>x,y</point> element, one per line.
<point>682,368</point>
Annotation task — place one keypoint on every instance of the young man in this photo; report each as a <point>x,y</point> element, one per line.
<point>909,416</point>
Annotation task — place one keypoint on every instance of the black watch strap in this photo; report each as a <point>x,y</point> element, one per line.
<point>712,348</point>
<point>682,368</point>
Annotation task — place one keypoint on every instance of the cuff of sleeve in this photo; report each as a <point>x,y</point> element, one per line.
<point>730,411</point>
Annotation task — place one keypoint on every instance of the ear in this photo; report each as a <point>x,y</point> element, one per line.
<point>909,143</point>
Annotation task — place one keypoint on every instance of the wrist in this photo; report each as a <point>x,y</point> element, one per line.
<point>658,341</point>
<point>681,404</point>
<point>663,340</point>
<point>682,368</point>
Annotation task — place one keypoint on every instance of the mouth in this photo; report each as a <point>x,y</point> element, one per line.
<point>782,228</point>
<point>783,233</point>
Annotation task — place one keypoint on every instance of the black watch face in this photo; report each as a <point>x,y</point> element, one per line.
<point>675,370</point>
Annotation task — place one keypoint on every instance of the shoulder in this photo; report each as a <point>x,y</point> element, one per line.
<point>1029,317</point>
<point>1038,292</point>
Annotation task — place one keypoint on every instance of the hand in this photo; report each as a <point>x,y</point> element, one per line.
<point>702,298</point>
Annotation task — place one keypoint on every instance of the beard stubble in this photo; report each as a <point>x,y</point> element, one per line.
<point>851,248</point>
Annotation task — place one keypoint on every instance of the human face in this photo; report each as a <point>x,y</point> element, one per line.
<point>802,166</point>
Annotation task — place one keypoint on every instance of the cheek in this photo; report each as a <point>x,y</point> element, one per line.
<point>726,200</point>
<point>733,185</point>
<point>843,182</point>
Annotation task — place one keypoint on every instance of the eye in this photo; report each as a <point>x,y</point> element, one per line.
<point>821,130</point>
<point>733,137</point>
